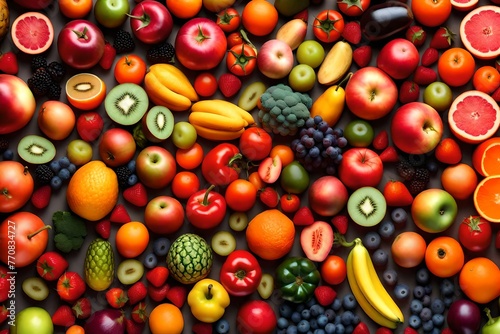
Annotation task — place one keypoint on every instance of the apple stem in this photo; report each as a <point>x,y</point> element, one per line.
<point>26,171</point>
<point>5,192</point>
<point>205,197</point>
<point>209,291</point>
<point>144,18</point>
<point>201,37</point>
<point>46,227</point>
<point>81,34</point>
<point>344,80</point>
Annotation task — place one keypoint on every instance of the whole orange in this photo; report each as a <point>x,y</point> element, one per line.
<point>132,239</point>
<point>459,180</point>
<point>479,278</point>
<point>166,318</point>
<point>259,17</point>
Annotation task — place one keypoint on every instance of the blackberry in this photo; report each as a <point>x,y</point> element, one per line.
<point>123,173</point>
<point>39,83</point>
<point>123,41</point>
<point>4,145</point>
<point>405,169</point>
<point>56,71</point>
<point>416,186</point>
<point>161,53</point>
<point>422,174</point>
<point>43,174</point>
<point>54,91</point>
<point>417,160</point>
<point>37,62</point>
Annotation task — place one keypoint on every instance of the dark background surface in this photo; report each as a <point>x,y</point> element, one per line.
<point>58,201</point>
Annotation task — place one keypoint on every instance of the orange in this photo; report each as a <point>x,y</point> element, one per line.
<point>486,198</point>
<point>284,152</point>
<point>85,91</point>
<point>92,191</point>
<point>259,17</point>
<point>132,239</point>
<point>484,271</point>
<point>75,9</point>
<point>166,318</point>
<point>459,180</point>
<point>75,329</point>
<point>184,9</point>
<point>270,234</point>
<point>486,156</point>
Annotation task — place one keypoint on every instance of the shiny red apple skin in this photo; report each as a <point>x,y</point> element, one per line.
<point>116,147</point>
<point>164,215</point>
<point>155,167</point>
<point>327,195</point>
<point>399,58</point>
<point>360,167</point>
<point>34,4</point>
<point>275,59</point>
<point>17,104</point>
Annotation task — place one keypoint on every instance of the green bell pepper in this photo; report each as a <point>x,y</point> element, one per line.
<point>297,277</point>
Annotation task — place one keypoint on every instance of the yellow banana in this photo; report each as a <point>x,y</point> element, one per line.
<point>217,135</point>
<point>214,107</point>
<point>217,122</point>
<point>369,283</point>
<point>336,63</point>
<point>206,106</point>
<point>161,95</point>
<point>174,79</point>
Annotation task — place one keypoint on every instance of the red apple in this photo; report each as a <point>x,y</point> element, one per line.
<point>17,104</point>
<point>164,215</point>
<point>370,93</point>
<point>327,195</point>
<point>200,44</point>
<point>56,119</point>
<point>275,59</point>
<point>256,317</point>
<point>399,58</point>
<point>34,4</point>
<point>151,22</point>
<point>116,147</point>
<point>16,185</point>
<point>155,167</point>
<point>360,167</point>
<point>416,128</point>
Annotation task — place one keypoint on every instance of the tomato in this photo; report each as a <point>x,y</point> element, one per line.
<point>241,59</point>
<point>255,143</point>
<point>479,278</point>
<point>190,158</point>
<point>289,203</point>
<point>259,17</point>
<point>444,256</point>
<point>456,66</point>
<point>474,233</point>
<point>75,329</point>
<point>328,26</point>
<point>132,239</point>
<point>130,69</point>
<point>184,9</point>
<point>16,185</point>
<point>205,84</point>
<point>431,13</point>
<point>185,184</point>
<point>75,9</point>
<point>333,270</point>
<point>240,195</point>
<point>486,79</point>
<point>234,38</point>
<point>353,8</point>
<point>228,19</point>
<point>255,179</point>
<point>284,152</point>
<point>408,249</point>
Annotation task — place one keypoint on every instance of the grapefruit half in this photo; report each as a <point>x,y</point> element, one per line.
<point>464,5</point>
<point>480,32</point>
<point>32,32</point>
<point>474,117</point>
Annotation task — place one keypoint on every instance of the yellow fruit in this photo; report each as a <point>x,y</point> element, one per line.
<point>92,191</point>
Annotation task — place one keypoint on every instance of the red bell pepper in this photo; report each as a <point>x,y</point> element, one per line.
<point>206,208</point>
<point>220,167</point>
<point>241,273</point>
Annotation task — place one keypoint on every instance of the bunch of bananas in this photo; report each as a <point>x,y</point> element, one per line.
<point>4,19</point>
<point>368,290</point>
<point>219,119</point>
<point>167,86</point>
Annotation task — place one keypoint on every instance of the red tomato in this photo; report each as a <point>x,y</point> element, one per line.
<point>16,184</point>
<point>353,8</point>
<point>431,13</point>
<point>240,195</point>
<point>333,270</point>
<point>228,19</point>
<point>474,233</point>
<point>255,143</point>
<point>185,184</point>
<point>444,257</point>
<point>234,38</point>
<point>130,68</point>
<point>241,59</point>
<point>328,26</point>
<point>205,84</point>
<point>486,79</point>
<point>190,158</point>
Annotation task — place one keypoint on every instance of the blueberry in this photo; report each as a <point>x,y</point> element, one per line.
<point>64,162</point>
<point>349,302</point>
<point>437,306</point>
<point>285,310</point>
<point>448,301</point>
<point>422,276</point>
<point>349,329</point>
<point>316,310</point>
<point>338,319</point>
<point>55,166</point>
<point>356,320</point>
<point>330,314</point>
<point>438,319</point>
<point>390,277</point>
<point>338,132</point>
<point>323,126</point>
<point>428,289</point>
<point>161,246</point>
<point>330,328</point>
<point>64,174</point>
<point>311,302</point>
<point>418,292</point>
<point>428,325</point>
<point>347,317</point>
<point>55,182</point>
<point>310,122</point>
<point>292,329</point>
<point>72,168</point>
<point>313,323</point>
<point>435,330</point>
<point>8,154</point>
<point>300,307</point>
<point>222,326</point>
<point>416,306</point>
<point>426,300</point>
<point>322,320</point>
<point>132,179</point>
<point>319,331</point>
<point>447,288</point>
<point>372,240</point>
<point>339,329</point>
<point>337,304</point>
<point>306,314</point>
<point>432,166</point>
<point>296,317</point>
<point>150,261</point>
<point>282,323</point>
<point>380,258</point>
<point>131,165</point>
<point>414,321</point>
<point>303,326</point>
<point>401,291</point>
<point>399,216</point>
<point>341,142</point>
<point>386,229</point>
<point>317,119</point>
<point>425,314</point>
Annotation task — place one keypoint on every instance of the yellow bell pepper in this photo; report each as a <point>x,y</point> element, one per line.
<point>208,300</point>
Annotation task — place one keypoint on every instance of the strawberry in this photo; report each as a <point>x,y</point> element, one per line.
<point>103,228</point>
<point>325,295</point>
<point>158,294</point>
<point>41,197</point>
<point>397,194</point>
<point>229,84</point>
<point>116,297</point>
<point>119,214</point>
<point>352,32</point>
<point>108,57</point>
<point>381,140</point>
<point>89,126</point>
<point>289,203</point>
<point>4,331</point>
<point>416,35</point>
<point>63,316</point>
<point>303,15</point>
<point>361,328</point>
<point>442,38</point>
<point>4,284</point>
<point>133,327</point>
<point>269,196</point>
<point>51,265</point>
<point>136,195</point>
<point>139,313</point>
<point>496,95</point>
<point>409,91</point>
<point>341,223</point>
<point>177,295</point>
<point>497,240</point>
<point>303,216</point>
<point>409,330</point>
<point>424,75</point>
<point>202,328</point>
<point>82,308</point>
<point>137,292</point>
<point>4,312</point>
<point>8,63</point>
<point>448,151</point>
<point>389,154</point>
<point>362,55</point>
<point>157,276</point>
<point>383,330</point>
<point>429,57</point>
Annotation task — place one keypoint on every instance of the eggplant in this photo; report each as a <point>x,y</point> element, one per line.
<point>385,19</point>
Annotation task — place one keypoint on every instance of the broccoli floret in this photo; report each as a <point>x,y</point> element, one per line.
<point>292,100</point>
<point>69,231</point>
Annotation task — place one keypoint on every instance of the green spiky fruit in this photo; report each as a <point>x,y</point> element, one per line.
<point>99,265</point>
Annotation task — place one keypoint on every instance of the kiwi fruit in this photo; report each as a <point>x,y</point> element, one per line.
<point>250,95</point>
<point>35,288</point>
<point>367,206</point>
<point>158,124</point>
<point>126,103</point>
<point>35,149</point>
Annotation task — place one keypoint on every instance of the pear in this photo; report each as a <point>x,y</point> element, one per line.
<point>292,33</point>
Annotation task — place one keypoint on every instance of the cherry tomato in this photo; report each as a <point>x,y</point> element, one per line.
<point>205,84</point>
<point>486,79</point>
<point>234,38</point>
<point>333,270</point>
<point>255,143</point>
<point>353,8</point>
<point>190,158</point>
<point>130,68</point>
<point>284,152</point>
<point>456,66</point>
<point>328,26</point>
<point>228,19</point>
<point>289,203</point>
<point>185,184</point>
<point>431,13</point>
<point>255,179</point>
<point>240,195</point>
<point>474,233</point>
<point>241,59</point>
<point>444,256</point>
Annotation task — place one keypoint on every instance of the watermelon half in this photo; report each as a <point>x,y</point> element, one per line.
<point>480,32</point>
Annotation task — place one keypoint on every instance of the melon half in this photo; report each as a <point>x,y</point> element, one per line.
<point>480,32</point>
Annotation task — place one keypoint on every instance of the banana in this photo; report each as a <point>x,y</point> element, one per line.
<point>174,79</point>
<point>221,106</point>
<point>206,106</point>
<point>217,122</point>
<point>336,63</point>
<point>161,95</point>
<point>4,19</point>
<point>217,135</point>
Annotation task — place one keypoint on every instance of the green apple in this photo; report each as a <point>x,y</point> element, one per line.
<point>79,152</point>
<point>184,135</point>
<point>359,133</point>
<point>434,210</point>
<point>111,13</point>
<point>33,319</point>
<point>290,7</point>
<point>302,78</point>
<point>310,52</point>
<point>438,95</point>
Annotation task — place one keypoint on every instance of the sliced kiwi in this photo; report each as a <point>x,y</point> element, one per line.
<point>250,95</point>
<point>35,288</point>
<point>36,149</point>
<point>158,124</point>
<point>126,103</point>
<point>367,206</point>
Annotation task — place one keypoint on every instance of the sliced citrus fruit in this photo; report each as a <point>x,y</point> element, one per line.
<point>487,198</point>
<point>85,91</point>
<point>486,157</point>
<point>32,32</point>
<point>479,32</point>
<point>474,116</point>
<point>464,5</point>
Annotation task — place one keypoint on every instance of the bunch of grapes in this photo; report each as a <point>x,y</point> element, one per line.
<point>319,146</point>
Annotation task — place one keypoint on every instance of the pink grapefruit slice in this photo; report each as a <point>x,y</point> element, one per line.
<point>464,5</point>
<point>480,32</point>
<point>474,116</point>
<point>32,32</point>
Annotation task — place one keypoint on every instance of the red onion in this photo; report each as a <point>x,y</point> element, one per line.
<point>464,317</point>
<point>107,321</point>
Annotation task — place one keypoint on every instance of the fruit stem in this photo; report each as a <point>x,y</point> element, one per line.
<point>26,171</point>
<point>344,80</point>
<point>340,239</point>
<point>46,227</point>
<point>5,192</point>
<point>81,34</point>
<point>144,18</point>
<point>247,40</point>
<point>209,291</point>
<point>205,197</point>
<point>201,37</point>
